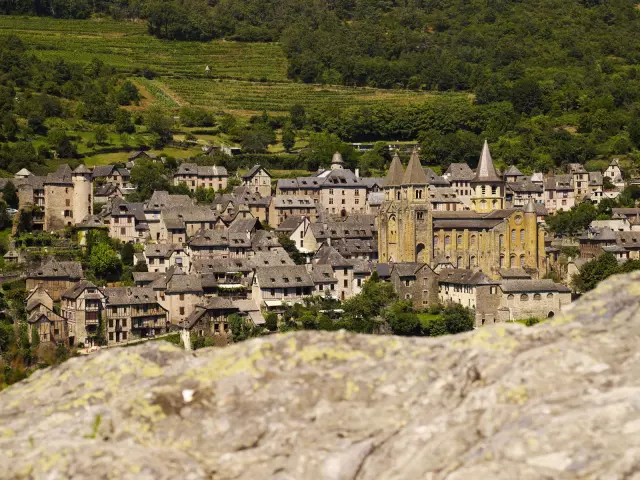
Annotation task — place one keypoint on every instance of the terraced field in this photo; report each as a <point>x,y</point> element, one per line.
<point>244,77</point>
<point>127,46</point>
<point>275,97</point>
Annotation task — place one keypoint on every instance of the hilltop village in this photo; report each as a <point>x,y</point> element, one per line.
<point>475,238</point>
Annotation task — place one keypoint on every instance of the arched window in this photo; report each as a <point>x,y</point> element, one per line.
<point>407,296</point>
<point>473,240</point>
<point>418,194</point>
<point>549,296</point>
<point>459,240</point>
<point>521,261</point>
<point>501,241</point>
<point>501,261</point>
<point>435,241</point>
<point>483,205</point>
<point>398,195</point>
<point>513,236</point>
<point>521,235</point>
<point>472,261</point>
<point>447,240</point>
<point>537,296</point>
<point>459,262</point>
<point>512,261</point>
<point>510,299</point>
<point>524,297</point>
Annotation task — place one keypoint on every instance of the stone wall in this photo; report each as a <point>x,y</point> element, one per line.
<point>558,400</point>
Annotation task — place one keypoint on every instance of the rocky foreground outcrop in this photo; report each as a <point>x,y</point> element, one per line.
<point>559,400</point>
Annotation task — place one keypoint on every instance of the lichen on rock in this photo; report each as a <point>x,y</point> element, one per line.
<point>558,400</point>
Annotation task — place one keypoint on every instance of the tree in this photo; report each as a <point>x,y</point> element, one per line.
<point>402,319</point>
<point>290,247</point>
<point>128,94</point>
<point>148,177</point>
<point>457,318</point>
<point>60,143</point>
<point>595,271</point>
<point>10,195</point>
<point>634,129</point>
<point>298,115</point>
<point>104,262</point>
<point>271,321</point>
<point>288,139</point>
<point>526,95</point>
<point>127,253</point>
<point>101,135</point>
<point>123,123</point>
<point>35,337</point>
<point>241,328</point>
<point>159,123</point>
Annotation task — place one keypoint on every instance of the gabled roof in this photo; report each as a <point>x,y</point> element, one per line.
<point>459,172</point>
<point>255,169</point>
<point>327,255</point>
<point>130,296</point>
<point>290,223</point>
<point>395,173</point>
<point>545,285</point>
<point>75,291</point>
<point>486,171</point>
<point>512,171</point>
<point>414,174</point>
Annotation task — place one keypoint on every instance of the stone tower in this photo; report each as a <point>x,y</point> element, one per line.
<point>337,162</point>
<point>531,234</point>
<point>82,193</point>
<point>405,217</point>
<point>487,188</point>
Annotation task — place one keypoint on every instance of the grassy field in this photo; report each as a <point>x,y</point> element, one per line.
<point>127,46</point>
<point>277,97</point>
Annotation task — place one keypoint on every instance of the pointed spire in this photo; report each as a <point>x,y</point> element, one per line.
<point>395,173</point>
<point>486,171</point>
<point>530,207</point>
<point>415,175</point>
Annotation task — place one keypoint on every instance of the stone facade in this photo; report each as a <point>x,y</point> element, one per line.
<point>258,179</point>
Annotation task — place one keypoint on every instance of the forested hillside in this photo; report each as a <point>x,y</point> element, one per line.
<point>551,82</point>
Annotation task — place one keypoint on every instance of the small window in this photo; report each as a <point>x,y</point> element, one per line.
<point>524,297</point>
<point>537,296</point>
<point>182,296</point>
<point>181,310</point>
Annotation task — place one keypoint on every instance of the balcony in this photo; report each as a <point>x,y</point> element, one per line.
<point>92,308</point>
<point>150,312</point>
<point>91,321</point>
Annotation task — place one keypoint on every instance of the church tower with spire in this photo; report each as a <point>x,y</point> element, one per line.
<point>487,188</point>
<point>405,216</point>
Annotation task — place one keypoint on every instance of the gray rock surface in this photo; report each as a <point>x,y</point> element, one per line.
<point>559,400</point>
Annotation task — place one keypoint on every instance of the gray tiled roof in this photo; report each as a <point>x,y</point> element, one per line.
<point>129,295</point>
<point>75,291</point>
<point>322,274</point>
<point>201,170</point>
<point>283,276</point>
<point>461,276</point>
<point>58,269</point>
<point>327,255</point>
<point>459,172</point>
<point>545,285</point>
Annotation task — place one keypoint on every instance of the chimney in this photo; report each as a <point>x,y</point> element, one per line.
<point>357,173</point>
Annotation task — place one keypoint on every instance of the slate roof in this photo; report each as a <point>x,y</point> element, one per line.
<point>322,274</point>
<point>486,171</point>
<point>184,284</point>
<point>62,176</point>
<point>58,269</point>
<point>283,277</point>
<point>162,199</point>
<point>243,225</point>
<point>119,207</point>
<point>264,240</point>
<point>92,221</point>
<point>545,285</point>
<point>106,190</point>
<point>75,291</point>
<point>408,269</point>
<point>103,170</point>
<point>290,223</point>
<point>595,179</point>
<point>525,186</point>
<point>459,172</point>
<point>414,174</point>
<point>201,170</point>
<point>293,201</point>
<point>327,255</point>
<point>513,171</point>
<point>161,250</point>
<point>129,295</point>
<point>559,182</point>
<point>461,276</point>
<point>255,169</point>
<point>395,173</point>
<point>513,273</point>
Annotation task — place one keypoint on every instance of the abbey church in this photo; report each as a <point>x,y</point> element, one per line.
<point>484,236</point>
